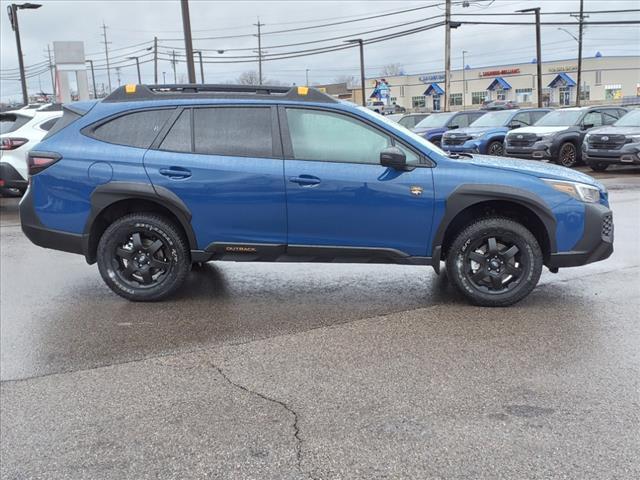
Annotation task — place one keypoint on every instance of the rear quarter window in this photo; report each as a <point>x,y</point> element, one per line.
<point>46,126</point>
<point>10,122</point>
<point>136,129</point>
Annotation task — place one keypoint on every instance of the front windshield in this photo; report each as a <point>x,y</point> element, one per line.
<point>435,120</point>
<point>631,119</point>
<point>560,118</point>
<point>396,126</point>
<point>493,119</point>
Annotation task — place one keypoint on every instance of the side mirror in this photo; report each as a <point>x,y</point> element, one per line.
<point>587,126</point>
<point>394,158</point>
<point>513,125</point>
<point>452,127</point>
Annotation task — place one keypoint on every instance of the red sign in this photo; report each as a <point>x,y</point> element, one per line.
<point>497,73</point>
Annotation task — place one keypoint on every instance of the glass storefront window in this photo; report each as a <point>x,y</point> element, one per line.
<point>613,92</point>
<point>477,98</point>
<point>455,99</point>
<point>419,101</point>
<point>523,95</point>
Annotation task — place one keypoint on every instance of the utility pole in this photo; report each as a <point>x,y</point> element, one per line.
<point>201,67</point>
<point>188,42</point>
<point>447,54</point>
<point>12,10</point>
<point>360,42</point>
<point>538,51</point>
<point>173,65</point>
<point>155,60</point>
<point>118,75</point>
<point>464,82</point>
<point>259,51</point>
<point>137,68</point>
<point>580,28</point>
<point>93,80</point>
<point>306,73</point>
<point>51,68</point>
<point>164,77</point>
<point>106,54</point>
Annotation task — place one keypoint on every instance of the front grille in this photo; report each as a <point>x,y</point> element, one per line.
<point>607,228</point>
<point>522,139</point>
<point>606,142</point>
<point>453,141</point>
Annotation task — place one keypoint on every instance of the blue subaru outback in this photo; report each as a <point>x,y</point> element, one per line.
<point>155,178</point>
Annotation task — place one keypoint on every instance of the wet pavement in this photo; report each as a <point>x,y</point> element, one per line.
<point>320,371</point>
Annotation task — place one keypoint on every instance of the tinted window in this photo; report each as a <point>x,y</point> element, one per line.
<point>330,137</point>
<point>522,119</point>
<point>239,132</point>
<point>460,121</point>
<point>609,116</point>
<point>179,137</point>
<point>68,117</point>
<point>10,122</point>
<point>48,124</point>
<point>537,115</point>
<point>592,118</point>
<point>136,129</point>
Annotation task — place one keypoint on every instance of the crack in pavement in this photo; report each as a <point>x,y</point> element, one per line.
<point>296,427</point>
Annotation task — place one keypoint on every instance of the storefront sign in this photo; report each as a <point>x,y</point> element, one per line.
<point>432,77</point>
<point>564,68</point>
<point>497,73</point>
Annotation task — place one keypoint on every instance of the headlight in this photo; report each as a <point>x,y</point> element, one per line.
<point>581,191</point>
<point>547,136</point>
<point>475,135</point>
<point>635,138</point>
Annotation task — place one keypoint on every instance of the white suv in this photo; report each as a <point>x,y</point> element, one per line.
<point>19,131</point>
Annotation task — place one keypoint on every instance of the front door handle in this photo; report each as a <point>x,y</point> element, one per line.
<point>305,180</point>
<point>175,172</point>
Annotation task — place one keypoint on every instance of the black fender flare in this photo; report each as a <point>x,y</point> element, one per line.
<point>109,193</point>
<point>468,195</point>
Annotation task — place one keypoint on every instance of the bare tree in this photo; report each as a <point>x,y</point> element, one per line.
<point>250,77</point>
<point>391,70</point>
<point>350,80</point>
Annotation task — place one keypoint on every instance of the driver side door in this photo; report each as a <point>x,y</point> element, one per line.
<point>338,194</point>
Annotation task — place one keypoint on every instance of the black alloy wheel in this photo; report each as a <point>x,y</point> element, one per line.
<point>496,148</point>
<point>142,260</point>
<point>568,155</point>
<point>494,264</point>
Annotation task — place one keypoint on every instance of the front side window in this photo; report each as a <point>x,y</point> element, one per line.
<point>522,119</point>
<point>560,118</point>
<point>329,137</point>
<point>592,118</point>
<point>493,119</point>
<point>137,129</point>
<point>609,117</point>
<point>233,131</point>
<point>459,121</point>
<point>435,120</point>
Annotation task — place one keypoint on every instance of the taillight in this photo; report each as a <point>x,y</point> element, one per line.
<point>38,161</point>
<point>12,143</point>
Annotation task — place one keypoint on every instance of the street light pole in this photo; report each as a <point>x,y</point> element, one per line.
<point>12,10</point>
<point>137,68</point>
<point>360,42</point>
<point>464,81</point>
<point>306,73</point>
<point>579,86</point>
<point>188,42</point>
<point>259,25</point>
<point>93,80</point>
<point>538,51</point>
<point>201,67</point>
<point>447,54</point>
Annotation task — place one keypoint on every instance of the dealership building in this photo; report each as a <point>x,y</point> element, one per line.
<point>604,80</point>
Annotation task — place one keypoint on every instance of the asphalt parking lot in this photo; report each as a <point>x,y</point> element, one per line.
<point>259,371</point>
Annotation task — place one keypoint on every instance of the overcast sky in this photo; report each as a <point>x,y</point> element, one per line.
<point>134,22</point>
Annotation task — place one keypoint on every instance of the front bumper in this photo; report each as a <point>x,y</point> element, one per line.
<point>596,243</point>
<point>627,154</point>
<point>467,147</point>
<point>46,237</point>
<point>538,151</point>
<point>10,177</point>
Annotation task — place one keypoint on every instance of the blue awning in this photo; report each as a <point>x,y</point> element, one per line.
<point>562,79</point>
<point>434,89</point>
<point>499,83</point>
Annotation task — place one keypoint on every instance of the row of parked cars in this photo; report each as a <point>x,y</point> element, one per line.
<point>598,136</point>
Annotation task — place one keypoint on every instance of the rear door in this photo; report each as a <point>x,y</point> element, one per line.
<point>225,163</point>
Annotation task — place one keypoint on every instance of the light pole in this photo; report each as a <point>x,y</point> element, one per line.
<point>306,73</point>
<point>579,86</point>
<point>360,42</point>
<point>93,80</point>
<point>538,50</point>
<point>201,67</point>
<point>164,78</point>
<point>137,68</point>
<point>464,81</point>
<point>12,10</point>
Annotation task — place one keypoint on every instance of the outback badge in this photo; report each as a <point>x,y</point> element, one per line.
<point>415,190</point>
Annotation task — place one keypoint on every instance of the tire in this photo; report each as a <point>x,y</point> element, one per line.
<point>598,167</point>
<point>568,155</point>
<point>437,143</point>
<point>495,148</point>
<point>491,273</point>
<point>143,257</point>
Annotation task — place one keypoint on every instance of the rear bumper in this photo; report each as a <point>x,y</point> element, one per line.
<point>46,237</point>
<point>10,177</point>
<point>596,243</point>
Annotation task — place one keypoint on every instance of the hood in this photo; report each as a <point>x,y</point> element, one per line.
<point>538,130</point>
<point>532,167</point>
<point>613,130</point>
<point>474,131</point>
<point>429,131</point>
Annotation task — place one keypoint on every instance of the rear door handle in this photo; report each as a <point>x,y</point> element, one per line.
<point>175,172</point>
<point>305,180</point>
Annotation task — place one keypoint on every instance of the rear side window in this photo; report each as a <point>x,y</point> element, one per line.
<point>48,124</point>
<point>233,131</point>
<point>137,129</point>
<point>179,137</point>
<point>10,122</point>
<point>68,117</point>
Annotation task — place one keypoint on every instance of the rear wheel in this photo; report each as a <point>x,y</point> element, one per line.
<point>568,155</point>
<point>598,167</point>
<point>496,148</point>
<point>495,262</point>
<point>143,257</point>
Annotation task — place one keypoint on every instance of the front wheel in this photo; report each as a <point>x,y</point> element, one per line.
<point>143,257</point>
<point>494,262</point>
<point>568,155</point>
<point>496,148</point>
<point>598,167</point>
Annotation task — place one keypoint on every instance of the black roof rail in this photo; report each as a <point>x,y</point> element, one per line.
<point>134,93</point>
